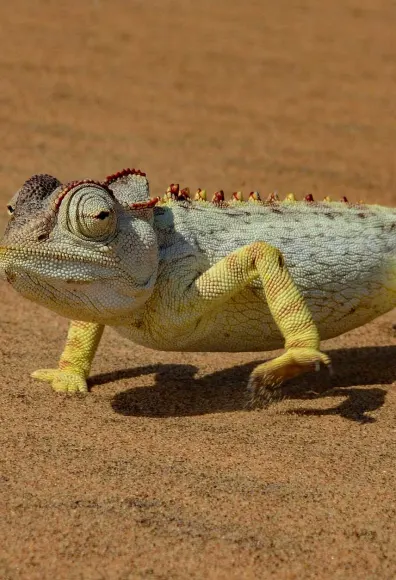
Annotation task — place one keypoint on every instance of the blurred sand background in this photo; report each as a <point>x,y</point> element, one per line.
<point>160,472</point>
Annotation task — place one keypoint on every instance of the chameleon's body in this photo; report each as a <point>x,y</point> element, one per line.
<point>197,276</point>
<point>342,259</point>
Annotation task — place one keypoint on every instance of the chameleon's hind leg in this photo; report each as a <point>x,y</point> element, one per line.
<point>286,304</point>
<point>75,362</point>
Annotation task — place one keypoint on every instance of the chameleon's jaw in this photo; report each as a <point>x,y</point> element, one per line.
<point>72,285</point>
<point>3,263</point>
<point>55,263</point>
<point>32,271</point>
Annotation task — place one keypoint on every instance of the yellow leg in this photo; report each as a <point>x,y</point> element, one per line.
<point>286,304</point>
<point>75,362</point>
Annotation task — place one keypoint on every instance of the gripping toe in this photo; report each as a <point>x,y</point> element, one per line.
<point>267,378</point>
<point>61,381</point>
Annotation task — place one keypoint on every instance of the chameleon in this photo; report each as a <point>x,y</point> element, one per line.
<point>177,274</point>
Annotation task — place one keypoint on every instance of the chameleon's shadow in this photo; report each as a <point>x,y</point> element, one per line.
<point>177,392</point>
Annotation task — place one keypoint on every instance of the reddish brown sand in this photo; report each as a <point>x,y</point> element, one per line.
<point>160,472</point>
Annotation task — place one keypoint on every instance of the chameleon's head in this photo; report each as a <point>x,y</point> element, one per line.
<point>86,249</point>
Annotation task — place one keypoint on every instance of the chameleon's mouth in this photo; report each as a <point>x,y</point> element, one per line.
<point>51,254</point>
<point>39,251</point>
<point>3,251</point>
<point>58,265</point>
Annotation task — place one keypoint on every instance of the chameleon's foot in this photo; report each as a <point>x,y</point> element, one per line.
<point>62,381</point>
<point>267,377</point>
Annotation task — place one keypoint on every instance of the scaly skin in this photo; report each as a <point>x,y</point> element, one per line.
<point>197,276</point>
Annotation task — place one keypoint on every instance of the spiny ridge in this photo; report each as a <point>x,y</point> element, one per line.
<point>174,193</point>
<point>145,204</point>
<point>218,197</point>
<point>123,173</point>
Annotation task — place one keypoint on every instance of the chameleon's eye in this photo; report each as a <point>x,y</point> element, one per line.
<point>91,214</point>
<point>10,209</point>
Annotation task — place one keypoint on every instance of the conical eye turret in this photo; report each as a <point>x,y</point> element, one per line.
<point>90,213</point>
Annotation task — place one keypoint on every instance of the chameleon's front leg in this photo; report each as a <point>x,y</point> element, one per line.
<point>75,362</point>
<point>287,306</point>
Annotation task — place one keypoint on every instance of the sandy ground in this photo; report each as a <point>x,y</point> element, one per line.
<point>160,472</point>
